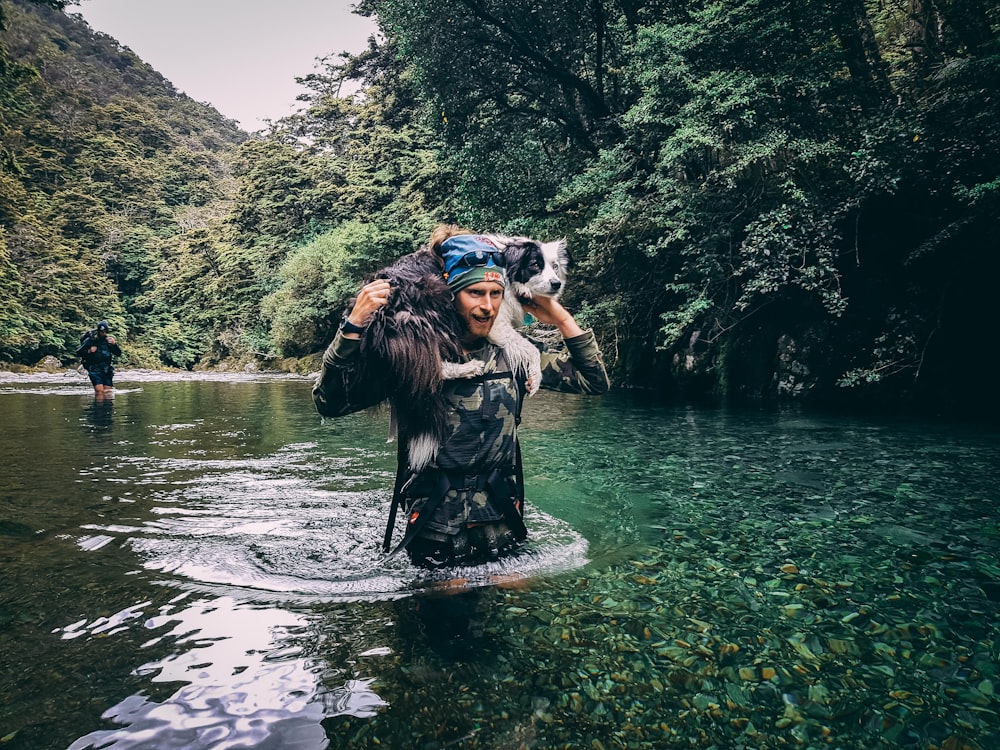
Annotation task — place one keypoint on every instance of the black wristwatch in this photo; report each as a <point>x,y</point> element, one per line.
<point>347,326</point>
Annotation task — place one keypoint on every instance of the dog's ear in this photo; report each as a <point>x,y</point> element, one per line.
<point>564,255</point>
<point>514,253</point>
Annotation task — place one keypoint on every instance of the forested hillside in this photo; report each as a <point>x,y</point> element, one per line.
<point>106,175</point>
<point>767,199</point>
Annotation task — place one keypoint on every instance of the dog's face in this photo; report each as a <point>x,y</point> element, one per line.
<point>536,268</point>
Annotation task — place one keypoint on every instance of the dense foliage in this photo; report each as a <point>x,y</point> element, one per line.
<point>763,198</point>
<point>106,170</point>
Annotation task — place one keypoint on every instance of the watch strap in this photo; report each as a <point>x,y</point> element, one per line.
<point>348,327</point>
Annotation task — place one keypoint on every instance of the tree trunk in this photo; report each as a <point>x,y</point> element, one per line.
<point>861,54</point>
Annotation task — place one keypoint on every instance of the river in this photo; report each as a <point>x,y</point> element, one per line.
<point>195,564</point>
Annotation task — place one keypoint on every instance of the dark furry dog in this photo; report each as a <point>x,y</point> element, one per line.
<point>404,344</point>
<point>412,344</point>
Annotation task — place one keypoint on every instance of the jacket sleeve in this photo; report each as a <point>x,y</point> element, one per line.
<point>578,369</point>
<point>115,349</point>
<point>339,388</point>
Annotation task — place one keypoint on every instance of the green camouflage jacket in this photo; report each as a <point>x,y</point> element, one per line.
<point>482,424</point>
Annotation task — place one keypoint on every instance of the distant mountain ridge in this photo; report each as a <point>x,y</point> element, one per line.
<point>69,53</point>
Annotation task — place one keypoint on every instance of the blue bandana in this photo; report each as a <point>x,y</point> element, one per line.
<point>471,258</point>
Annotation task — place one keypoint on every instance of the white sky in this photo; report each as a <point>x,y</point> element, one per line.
<point>241,56</point>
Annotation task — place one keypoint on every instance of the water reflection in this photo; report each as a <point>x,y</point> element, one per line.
<point>244,676</point>
<point>98,414</point>
<point>449,623</point>
<point>355,698</point>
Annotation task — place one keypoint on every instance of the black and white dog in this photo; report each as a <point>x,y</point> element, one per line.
<point>533,269</point>
<point>412,344</point>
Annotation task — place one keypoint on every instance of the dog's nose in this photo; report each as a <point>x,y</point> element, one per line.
<point>555,284</point>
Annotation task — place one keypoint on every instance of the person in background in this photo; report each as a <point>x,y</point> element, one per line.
<point>468,505</point>
<point>97,351</point>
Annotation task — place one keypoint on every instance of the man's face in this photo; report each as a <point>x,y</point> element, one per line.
<point>478,305</point>
<point>102,332</point>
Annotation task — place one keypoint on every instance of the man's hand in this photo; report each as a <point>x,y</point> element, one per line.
<point>548,310</point>
<point>370,298</point>
<point>111,340</point>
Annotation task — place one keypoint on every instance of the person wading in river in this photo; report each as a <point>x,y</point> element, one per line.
<point>97,351</point>
<point>468,504</point>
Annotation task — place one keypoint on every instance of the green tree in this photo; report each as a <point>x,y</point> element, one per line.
<point>318,279</point>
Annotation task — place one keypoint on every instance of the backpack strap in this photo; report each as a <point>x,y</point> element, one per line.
<point>402,463</point>
<point>522,387</point>
<point>438,485</point>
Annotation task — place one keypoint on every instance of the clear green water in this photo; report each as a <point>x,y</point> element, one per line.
<point>195,565</point>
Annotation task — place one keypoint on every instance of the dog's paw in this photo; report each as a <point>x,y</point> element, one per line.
<point>534,379</point>
<point>456,370</point>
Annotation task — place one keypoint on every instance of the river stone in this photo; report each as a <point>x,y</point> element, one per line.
<point>49,364</point>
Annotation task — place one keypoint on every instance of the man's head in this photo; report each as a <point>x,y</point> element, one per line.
<point>474,271</point>
<point>470,259</point>
<point>103,328</point>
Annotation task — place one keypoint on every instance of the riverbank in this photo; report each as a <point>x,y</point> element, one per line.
<point>52,369</point>
<point>74,376</point>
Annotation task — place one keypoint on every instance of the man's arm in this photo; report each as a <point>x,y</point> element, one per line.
<point>338,390</point>
<point>580,368</point>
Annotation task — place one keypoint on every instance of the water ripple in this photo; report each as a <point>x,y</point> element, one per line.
<point>298,523</point>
